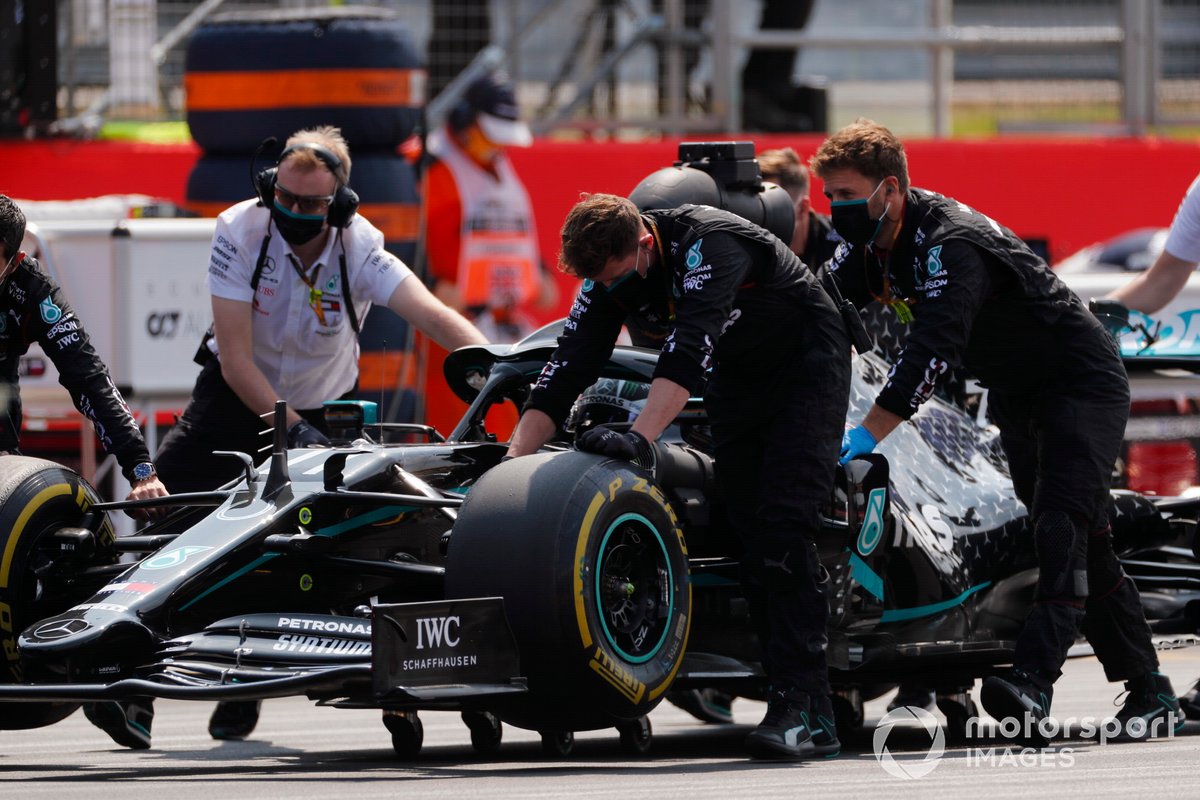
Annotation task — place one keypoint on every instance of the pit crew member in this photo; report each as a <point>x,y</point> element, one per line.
<point>720,293</point>
<point>977,296</point>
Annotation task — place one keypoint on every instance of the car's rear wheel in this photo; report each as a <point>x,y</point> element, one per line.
<point>37,498</point>
<point>592,566</point>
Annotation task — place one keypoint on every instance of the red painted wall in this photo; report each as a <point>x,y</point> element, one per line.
<point>1070,191</point>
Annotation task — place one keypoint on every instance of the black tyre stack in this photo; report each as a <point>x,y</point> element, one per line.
<point>250,76</point>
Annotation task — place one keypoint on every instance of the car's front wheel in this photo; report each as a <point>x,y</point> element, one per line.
<point>592,565</point>
<point>37,498</point>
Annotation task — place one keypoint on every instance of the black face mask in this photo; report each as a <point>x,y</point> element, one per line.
<point>852,220</point>
<point>296,229</point>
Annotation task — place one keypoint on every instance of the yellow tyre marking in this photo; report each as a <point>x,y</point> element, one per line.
<point>619,678</point>
<point>580,552</point>
<point>18,528</point>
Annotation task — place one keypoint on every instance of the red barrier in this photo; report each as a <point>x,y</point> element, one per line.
<point>1071,192</point>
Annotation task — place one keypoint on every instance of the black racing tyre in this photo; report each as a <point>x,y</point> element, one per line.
<point>592,566</point>
<point>37,497</point>
<point>248,77</point>
<point>385,182</point>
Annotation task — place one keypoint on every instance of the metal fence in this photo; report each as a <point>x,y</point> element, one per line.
<point>629,67</point>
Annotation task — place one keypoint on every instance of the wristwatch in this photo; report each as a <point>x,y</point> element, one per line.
<point>144,472</point>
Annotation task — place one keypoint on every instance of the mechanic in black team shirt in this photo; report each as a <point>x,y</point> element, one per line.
<point>33,309</point>
<point>978,296</point>
<point>814,238</point>
<point>719,292</point>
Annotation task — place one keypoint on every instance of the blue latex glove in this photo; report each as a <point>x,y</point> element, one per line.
<point>856,442</point>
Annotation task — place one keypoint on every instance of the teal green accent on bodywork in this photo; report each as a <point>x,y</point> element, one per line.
<point>333,530</point>
<point>865,576</point>
<point>370,409</point>
<point>871,533</point>
<point>901,614</point>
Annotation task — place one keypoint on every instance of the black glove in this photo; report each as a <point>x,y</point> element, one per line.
<point>302,434</point>
<point>629,445</point>
<point>1113,314</point>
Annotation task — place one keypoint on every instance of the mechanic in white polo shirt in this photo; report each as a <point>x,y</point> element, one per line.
<point>1157,286</point>
<point>292,275</point>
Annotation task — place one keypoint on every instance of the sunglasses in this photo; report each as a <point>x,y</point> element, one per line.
<point>313,205</point>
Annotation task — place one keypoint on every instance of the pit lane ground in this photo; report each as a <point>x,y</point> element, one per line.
<point>300,751</point>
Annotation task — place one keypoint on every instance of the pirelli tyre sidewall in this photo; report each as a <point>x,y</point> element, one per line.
<point>592,565</point>
<point>37,497</point>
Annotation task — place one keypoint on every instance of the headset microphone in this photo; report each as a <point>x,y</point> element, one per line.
<point>270,141</point>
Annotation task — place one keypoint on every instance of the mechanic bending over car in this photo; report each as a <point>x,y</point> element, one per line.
<point>814,241</point>
<point>716,291</point>
<point>978,296</point>
<point>33,309</point>
<point>293,272</point>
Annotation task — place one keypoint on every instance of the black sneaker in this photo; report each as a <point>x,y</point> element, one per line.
<point>127,722</point>
<point>913,696</point>
<point>823,728</point>
<point>1020,696</point>
<point>784,731</point>
<point>1150,709</point>
<point>707,705</point>
<point>234,719</point>
<point>1190,702</point>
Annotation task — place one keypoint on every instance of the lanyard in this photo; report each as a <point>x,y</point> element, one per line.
<point>900,306</point>
<point>314,294</point>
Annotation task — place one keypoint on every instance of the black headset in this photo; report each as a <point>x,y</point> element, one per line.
<point>345,199</point>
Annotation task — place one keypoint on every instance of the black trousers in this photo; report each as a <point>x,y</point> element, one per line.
<point>216,419</point>
<point>1061,444</point>
<point>776,443</point>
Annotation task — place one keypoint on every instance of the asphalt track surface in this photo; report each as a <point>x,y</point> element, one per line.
<point>301,751</point>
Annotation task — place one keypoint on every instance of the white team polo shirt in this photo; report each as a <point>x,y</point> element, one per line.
<point>303,340</point>
<point>1183,241</point>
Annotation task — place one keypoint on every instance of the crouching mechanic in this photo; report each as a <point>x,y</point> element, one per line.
<point>292,274</point>
<point>725,294</point>
<point>1058,392</point>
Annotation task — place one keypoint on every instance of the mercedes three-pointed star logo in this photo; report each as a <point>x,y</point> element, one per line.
<point>61,628</point>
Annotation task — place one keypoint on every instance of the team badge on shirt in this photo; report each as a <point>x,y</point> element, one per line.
<point>50,312</point>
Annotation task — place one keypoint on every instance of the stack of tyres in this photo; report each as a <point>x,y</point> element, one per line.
<point>251,76</point>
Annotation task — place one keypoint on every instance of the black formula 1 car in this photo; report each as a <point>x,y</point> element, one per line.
<point>558,592</point>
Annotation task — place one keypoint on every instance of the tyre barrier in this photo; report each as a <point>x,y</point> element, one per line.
<point>251,76</point>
